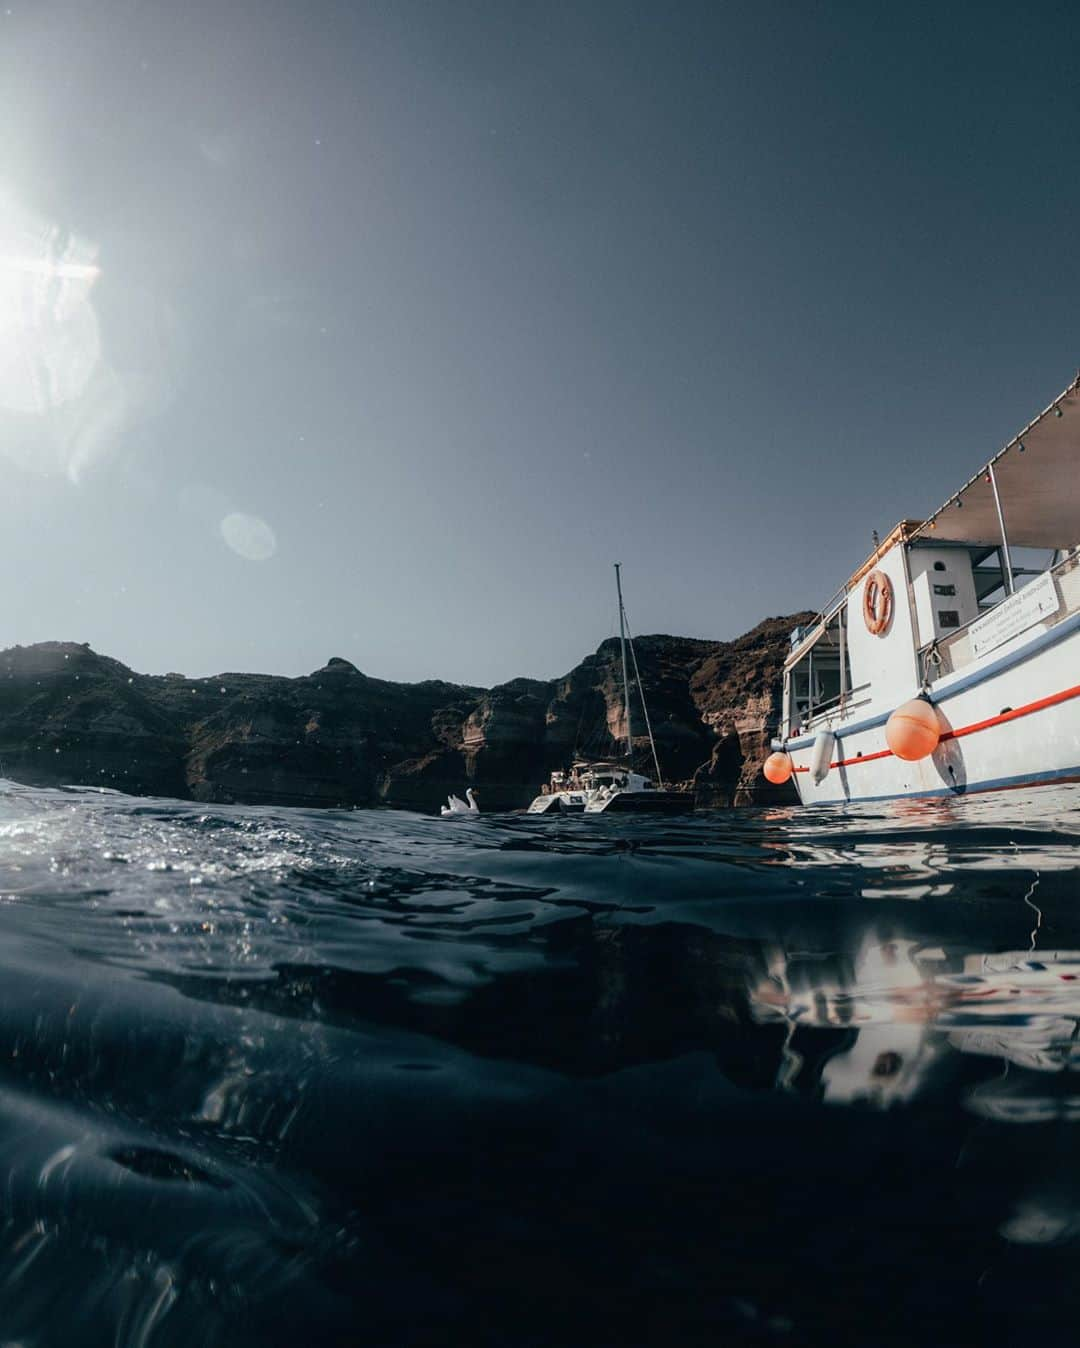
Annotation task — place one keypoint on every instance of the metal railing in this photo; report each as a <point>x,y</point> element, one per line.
<point>843,703</point>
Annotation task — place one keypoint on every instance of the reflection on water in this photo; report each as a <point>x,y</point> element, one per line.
<point>907,1006</point>
<point>792,1076</point>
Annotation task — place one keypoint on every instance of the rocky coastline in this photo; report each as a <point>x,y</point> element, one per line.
<point>338,738</point>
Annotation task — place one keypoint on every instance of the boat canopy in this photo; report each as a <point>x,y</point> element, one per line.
<point>1038,483</point>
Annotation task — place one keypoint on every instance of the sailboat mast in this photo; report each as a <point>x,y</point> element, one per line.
<point>625,677</point>
<point>644,707</point>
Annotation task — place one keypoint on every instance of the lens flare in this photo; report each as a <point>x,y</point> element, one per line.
<point>249,537</point>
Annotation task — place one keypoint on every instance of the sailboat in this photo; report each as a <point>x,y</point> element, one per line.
<point>612,786</point>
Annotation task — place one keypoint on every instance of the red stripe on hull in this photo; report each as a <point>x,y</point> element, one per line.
<point>1054,700</point>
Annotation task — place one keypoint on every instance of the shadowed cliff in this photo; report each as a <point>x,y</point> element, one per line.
<point>337,737</point>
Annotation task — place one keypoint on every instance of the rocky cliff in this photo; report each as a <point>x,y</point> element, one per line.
<point>338,737</point>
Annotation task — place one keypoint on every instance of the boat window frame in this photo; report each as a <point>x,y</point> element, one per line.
<point>837,619</point>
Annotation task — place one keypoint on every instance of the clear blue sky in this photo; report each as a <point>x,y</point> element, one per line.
<point>381,329</point>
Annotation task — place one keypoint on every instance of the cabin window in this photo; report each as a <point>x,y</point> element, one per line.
<point>821,677</point>
<point>948,617</point>
<point>989,576</point>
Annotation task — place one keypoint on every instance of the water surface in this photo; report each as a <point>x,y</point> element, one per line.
<point>776,1077</point>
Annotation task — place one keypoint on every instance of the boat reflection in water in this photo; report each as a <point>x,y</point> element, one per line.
<point>906,1008</point>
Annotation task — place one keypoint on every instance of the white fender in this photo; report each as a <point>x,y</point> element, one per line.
<point>822,756</point>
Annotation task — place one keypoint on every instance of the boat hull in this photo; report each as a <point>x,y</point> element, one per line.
<point>1012,721</point>
<point>643,802</point>
<point>558,802</point>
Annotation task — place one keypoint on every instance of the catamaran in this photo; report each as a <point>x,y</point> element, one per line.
<point>610,787</point>
<point>945,664</point>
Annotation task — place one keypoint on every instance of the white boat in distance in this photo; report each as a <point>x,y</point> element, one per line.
<point>605,788</point>
<point>592,787</point>
<point>944,665</point>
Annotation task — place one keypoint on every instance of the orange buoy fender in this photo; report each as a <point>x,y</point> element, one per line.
<point>913,730</point>
<point>778,768</point>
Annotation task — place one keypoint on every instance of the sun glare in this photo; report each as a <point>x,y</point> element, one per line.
<point>58,268</point>
<point>50,343</point>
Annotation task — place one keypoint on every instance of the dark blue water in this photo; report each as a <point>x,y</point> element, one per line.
<point>786,1077</point>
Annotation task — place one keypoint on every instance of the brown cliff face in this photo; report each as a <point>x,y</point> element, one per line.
<point>338,738</point>
<point>737,692</point>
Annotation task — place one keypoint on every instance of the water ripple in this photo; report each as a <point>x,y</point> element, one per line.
<point>269,1075</point>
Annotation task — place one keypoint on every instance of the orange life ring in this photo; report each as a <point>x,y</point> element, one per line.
<point>877,602</point>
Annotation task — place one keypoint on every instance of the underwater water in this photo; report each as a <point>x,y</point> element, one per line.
<point>271,1076</point>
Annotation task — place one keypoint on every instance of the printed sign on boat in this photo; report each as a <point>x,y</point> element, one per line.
<point>1015,614</point>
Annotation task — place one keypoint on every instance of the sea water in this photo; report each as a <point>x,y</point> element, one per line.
<point>784,1076</point>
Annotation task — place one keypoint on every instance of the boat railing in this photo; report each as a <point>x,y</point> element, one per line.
<point>843,703</point>
<point>949,654</point>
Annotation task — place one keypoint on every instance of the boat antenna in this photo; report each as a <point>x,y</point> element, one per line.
<point>625,677</point>
<point>644,706</point>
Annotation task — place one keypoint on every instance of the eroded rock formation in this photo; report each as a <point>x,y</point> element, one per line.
<point>338,738</point>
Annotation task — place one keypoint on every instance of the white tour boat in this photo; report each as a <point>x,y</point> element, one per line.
<point>606,787</point>
<point>950,661</point>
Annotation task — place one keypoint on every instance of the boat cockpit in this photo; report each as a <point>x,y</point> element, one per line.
<point>816,682</point>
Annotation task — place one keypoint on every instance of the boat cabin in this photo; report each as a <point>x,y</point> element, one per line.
<point>997,559</point>
<point>586,776</point>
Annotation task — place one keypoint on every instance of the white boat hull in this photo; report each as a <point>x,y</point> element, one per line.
<point>617,802</point>
<point>642,802</point>
<point>1013,719</point>
<point>558,802</point>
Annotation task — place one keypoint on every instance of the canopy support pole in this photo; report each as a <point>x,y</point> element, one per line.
<point>841,629</point>
<point>1005,557</point>
<point>810,684</point>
